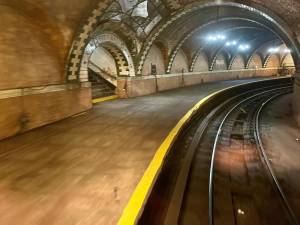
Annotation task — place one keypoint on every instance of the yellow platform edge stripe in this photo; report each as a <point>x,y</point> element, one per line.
<point>104,99</point>
<point>136,203</point>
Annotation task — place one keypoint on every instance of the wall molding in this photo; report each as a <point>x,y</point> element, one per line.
<point>12,93</point>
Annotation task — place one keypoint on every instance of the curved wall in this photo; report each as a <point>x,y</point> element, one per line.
<point>201,63</point>
<point>155,57</point>
<point>288,61</point>
<point>255,62</point>
<point>273,62</point>
<point>238,63</point>
<point>27,55</point>
<point>180,63</point>
<point>220,63</point>
<point>35,38</point>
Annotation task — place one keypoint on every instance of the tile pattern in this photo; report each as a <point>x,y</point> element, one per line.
<point>155,34</point>
<point>231,61</point>
<point>266,61</point>
<point>173,5</point>
<point>122,65</point>
<point>195,57</point>
<point>115,46</point>
<point>249,60</point>
<point>82,38</point>
<point>180,44</point>
<point>177,11</point>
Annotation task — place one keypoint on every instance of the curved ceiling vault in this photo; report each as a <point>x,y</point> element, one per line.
<point>143,23</point>
<point>189,28</point>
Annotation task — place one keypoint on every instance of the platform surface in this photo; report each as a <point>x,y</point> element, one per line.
<point>83,170</point>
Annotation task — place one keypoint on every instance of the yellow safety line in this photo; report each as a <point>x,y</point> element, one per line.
<point>136,203</point>
<point>97,100</point>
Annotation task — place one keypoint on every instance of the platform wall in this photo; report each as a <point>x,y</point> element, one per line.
<point>24,109</point>
<point>36,37</point>
<point>139,86</point>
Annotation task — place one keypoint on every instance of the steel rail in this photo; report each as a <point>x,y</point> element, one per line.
<point>264,158</point>
<point>212,165</point>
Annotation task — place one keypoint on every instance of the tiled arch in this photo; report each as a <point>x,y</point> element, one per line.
<point>193,7</point>
<point>232,60</point>
<point>116,47</point>
<point>82,39</point>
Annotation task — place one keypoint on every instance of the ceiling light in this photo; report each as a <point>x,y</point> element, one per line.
<point>216,37</point>
<point>273,50</point>
<point>221,37</point>
<point>244,47</point>
<point>231,43</point>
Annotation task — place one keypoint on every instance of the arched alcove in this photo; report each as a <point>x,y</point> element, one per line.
<point>238,63</point>
<point>273,61</point>
<point>201,64</point>
<point>154,58</point>
<point>180,63</point>
<point>255,62</point>
<point>220,63</point>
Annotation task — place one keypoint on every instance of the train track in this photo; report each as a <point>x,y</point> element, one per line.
<point>219,173</point>
<point>243,121</point>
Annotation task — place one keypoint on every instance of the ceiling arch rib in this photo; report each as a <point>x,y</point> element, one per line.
<point>233,58</point>
<point>202,46</point>
<point>283,57</point>
<point>256,49</point>
<point>115,45</point>
<point>250,38</point>
<point>220,52</point>
<point>191,33</point>
<point>223,53</point>
<point>277,24</point>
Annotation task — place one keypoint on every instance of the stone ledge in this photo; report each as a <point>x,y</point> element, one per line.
<point>4,94</point>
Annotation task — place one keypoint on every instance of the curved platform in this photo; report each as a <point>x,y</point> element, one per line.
<point>84,169</point>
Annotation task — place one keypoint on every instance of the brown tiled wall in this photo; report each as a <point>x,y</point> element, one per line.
<point>24,113</point>
<point>35,38</point>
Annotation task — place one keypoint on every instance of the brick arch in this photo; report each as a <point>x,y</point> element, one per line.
<point>267,59</point>
<point>277,22</point>
<point>82,39</point>
<point>181,64</point>
<point>182,41</point>
<point>214,59</point>
<point>284,57</point>
<point>232,60</point>
<point>164,50</point>
<point>116,47</point>
<point>120,59</point>
<point>255,52</point>
<point>155,57</point>
<point>252,57</point>
<point>200,49</point>
<point>195,58</point>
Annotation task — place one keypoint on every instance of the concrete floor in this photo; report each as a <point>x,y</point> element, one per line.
<point>279,137</point>
<point>83,170</point>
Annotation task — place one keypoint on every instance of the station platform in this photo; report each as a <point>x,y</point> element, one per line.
<point>83,170</point>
